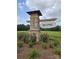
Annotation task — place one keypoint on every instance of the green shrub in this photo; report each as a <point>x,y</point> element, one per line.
<point>44,45</point>
<point>51,44</point>
<point>56,42</point>
<point>19,44</point>
<point>57,51</point>
<point>34,53</point>
<point>44,37</point>
<point>33,38</point>
<point>26,38</point>
<point>31,44</point>
<point>18,50</point>
<point>20,36</point>
<point>23,37</point>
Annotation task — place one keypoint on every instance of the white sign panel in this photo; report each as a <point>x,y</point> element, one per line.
<point>47,24</point>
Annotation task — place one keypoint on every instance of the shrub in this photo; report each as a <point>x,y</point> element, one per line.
<point>44,45</point>
<point>18,50</point>
<point>33,38</point>
<point>44,37</point>
<point>26,38</point>
<point>51,44</point>
<point>56,42</point>
<point>19,44</point>
<point>31,44</point>
<point>34,53</point>
<point>21,36</point>
<point>57,51</point>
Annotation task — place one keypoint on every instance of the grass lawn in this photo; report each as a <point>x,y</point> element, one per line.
<point>50,33</point>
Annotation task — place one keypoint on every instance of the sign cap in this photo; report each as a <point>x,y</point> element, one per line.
<point>33,12</point>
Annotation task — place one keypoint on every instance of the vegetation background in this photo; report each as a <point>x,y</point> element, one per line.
<point>22,27</point>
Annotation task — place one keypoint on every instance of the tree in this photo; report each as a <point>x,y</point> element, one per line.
<point>22,27</point>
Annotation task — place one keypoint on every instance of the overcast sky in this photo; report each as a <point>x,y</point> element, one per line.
<point>48,8</point>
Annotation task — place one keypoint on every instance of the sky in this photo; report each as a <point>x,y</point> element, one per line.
<point>48,8</point>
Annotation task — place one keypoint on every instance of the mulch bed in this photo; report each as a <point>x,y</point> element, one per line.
<point>45,53</point>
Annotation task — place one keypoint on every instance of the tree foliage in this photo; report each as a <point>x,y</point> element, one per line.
<point>22,27</point>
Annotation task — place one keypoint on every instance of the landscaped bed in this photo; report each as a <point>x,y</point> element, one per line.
<point>47,48</point>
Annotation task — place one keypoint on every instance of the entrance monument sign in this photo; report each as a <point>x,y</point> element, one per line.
<point>34,23</point>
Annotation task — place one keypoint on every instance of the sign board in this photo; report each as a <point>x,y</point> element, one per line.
<point>47,24</point>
